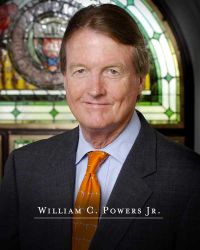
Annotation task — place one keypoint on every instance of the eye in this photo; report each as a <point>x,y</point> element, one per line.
<point>113,71</point>
<point>79,72</point>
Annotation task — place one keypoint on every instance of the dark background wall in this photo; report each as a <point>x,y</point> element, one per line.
<point>184,15</point>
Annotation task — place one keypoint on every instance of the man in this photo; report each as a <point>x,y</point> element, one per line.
<point>113,182</point>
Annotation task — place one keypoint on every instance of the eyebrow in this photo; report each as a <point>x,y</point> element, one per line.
<point>119,65</point>
<point>75,65</point>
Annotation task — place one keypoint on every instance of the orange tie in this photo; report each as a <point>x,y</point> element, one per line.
<point>88,200</point>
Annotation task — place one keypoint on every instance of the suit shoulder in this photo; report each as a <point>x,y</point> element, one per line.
<point>175,152</point>
<point>45,146</point>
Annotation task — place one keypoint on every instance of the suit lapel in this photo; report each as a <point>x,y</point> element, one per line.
<point>130,190</point>
<point>62,163</point>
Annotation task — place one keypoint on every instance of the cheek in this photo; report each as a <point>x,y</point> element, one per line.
<point>125,99</point>
<point>73,91</point>
<point>123,92</point>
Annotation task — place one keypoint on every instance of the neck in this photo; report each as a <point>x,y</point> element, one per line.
<point>100,138</point>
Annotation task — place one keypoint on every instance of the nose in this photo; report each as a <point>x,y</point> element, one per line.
<point>96,86</point>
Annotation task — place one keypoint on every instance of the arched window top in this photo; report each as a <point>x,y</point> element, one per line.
<point>23,102</point>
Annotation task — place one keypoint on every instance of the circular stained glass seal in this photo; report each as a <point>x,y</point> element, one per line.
<point>34,40</point>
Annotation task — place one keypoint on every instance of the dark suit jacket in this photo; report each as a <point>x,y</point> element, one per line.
<point>157,173</point>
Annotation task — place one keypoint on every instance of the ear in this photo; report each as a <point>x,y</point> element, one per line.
<point>141,83</point>
<point>65,81</point>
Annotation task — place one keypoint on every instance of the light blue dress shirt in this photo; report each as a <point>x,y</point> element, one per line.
<point>108,172</point>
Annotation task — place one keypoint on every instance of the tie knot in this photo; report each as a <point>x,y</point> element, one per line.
<point>95,159</point>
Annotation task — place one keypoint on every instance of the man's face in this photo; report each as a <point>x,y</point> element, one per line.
<point>100,80</point>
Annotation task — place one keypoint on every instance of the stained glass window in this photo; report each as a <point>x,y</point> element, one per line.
<point>31,89</point>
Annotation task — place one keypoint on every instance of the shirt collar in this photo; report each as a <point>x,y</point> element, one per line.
<point>119,148</point>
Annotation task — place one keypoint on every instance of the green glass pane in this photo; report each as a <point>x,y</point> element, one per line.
<point>54,112</point>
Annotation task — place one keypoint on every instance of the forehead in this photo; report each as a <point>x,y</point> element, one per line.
<point>89,44</point>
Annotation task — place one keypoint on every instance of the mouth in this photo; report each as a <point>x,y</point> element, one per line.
<point>97,104</point>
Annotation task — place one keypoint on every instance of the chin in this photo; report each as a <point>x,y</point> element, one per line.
<point>94,125</point>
